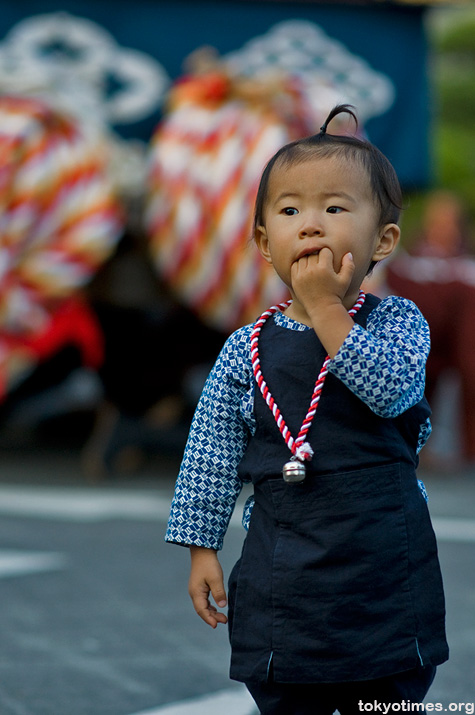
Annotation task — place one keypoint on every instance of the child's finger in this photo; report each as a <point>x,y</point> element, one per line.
<point>208,613</point>
<point>326,258</point>
<point>217,615</point>
<point>347,267</point>
<point>218,593</point>
<point>202,607</point>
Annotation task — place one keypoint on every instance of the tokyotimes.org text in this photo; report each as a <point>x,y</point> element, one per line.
<point>405,706</point>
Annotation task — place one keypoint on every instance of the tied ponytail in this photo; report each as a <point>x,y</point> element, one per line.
<point>339,109</point>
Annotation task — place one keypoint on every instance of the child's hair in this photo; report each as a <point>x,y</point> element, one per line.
<point>384,182</point>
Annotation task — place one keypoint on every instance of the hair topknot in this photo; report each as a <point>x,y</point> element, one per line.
<point>383,179</point>
<point>339,109</point>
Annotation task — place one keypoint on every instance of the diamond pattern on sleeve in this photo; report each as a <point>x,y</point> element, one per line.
<point>208,485</point>
<point>384,365</point>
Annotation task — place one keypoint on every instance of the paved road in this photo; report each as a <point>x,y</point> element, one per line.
<point>95,617</point>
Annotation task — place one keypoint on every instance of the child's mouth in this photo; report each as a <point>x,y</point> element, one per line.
<point>309,253</point>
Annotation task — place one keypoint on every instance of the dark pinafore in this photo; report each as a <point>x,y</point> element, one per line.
<point>339,577</point>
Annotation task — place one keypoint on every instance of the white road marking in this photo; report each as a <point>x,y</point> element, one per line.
<point>82,504</point>
<point>235,701</point>
<point>21,563</point>
<point>452,529</point>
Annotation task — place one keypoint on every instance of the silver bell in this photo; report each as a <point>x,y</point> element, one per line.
<point>293,472</point>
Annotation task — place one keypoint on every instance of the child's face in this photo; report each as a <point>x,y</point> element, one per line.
<point>323,203</point>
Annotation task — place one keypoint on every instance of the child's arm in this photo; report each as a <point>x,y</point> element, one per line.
<point>384,364</point>
<point>207,577</point>
<point>208,483</point>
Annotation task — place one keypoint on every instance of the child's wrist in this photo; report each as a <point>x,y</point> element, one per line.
<point>202,552</point>
<point>325,307</point>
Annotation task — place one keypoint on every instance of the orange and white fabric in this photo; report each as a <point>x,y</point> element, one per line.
<point>59,220</point>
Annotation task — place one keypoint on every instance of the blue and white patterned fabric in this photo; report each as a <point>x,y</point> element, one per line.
<point>384,365</point>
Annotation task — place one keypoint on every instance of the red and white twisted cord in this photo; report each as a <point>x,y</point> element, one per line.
<point>299,447</point>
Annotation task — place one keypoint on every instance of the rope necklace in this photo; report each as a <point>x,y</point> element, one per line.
<point>293,471</point>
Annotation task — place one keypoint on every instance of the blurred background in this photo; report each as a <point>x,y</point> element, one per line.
<point>132,139</point>
<point>132,144</point>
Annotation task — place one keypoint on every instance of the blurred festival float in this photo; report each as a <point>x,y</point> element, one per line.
<point>59,220</point>
<point>223,121</point>
<point>67,180</point>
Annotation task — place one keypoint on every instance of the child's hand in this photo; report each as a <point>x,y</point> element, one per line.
<point>207,577</point>
<point>314,278</point>
<point>322,291</point>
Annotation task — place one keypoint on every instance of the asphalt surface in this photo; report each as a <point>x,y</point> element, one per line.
<point>95,616</point>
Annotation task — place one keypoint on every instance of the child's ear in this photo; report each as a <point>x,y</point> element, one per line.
<point>262,242</point>
<point>388,240</point>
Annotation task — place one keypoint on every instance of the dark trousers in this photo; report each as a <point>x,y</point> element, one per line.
<point>411,686</point>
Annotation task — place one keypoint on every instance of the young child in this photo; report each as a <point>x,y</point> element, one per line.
<point>337,599</point>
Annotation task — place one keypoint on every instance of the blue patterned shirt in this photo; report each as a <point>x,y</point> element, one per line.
<point>383,364</point>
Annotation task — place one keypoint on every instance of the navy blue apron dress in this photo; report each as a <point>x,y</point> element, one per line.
<point>339,578</point>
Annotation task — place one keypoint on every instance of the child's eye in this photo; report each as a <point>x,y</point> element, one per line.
<point>334,209</point>
<point>289,211</point>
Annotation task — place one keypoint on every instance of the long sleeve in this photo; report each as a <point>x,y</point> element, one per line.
<point>384,365</point>
<point>208,484</point>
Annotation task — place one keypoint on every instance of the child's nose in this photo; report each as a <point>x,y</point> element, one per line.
<point>311,227</point>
